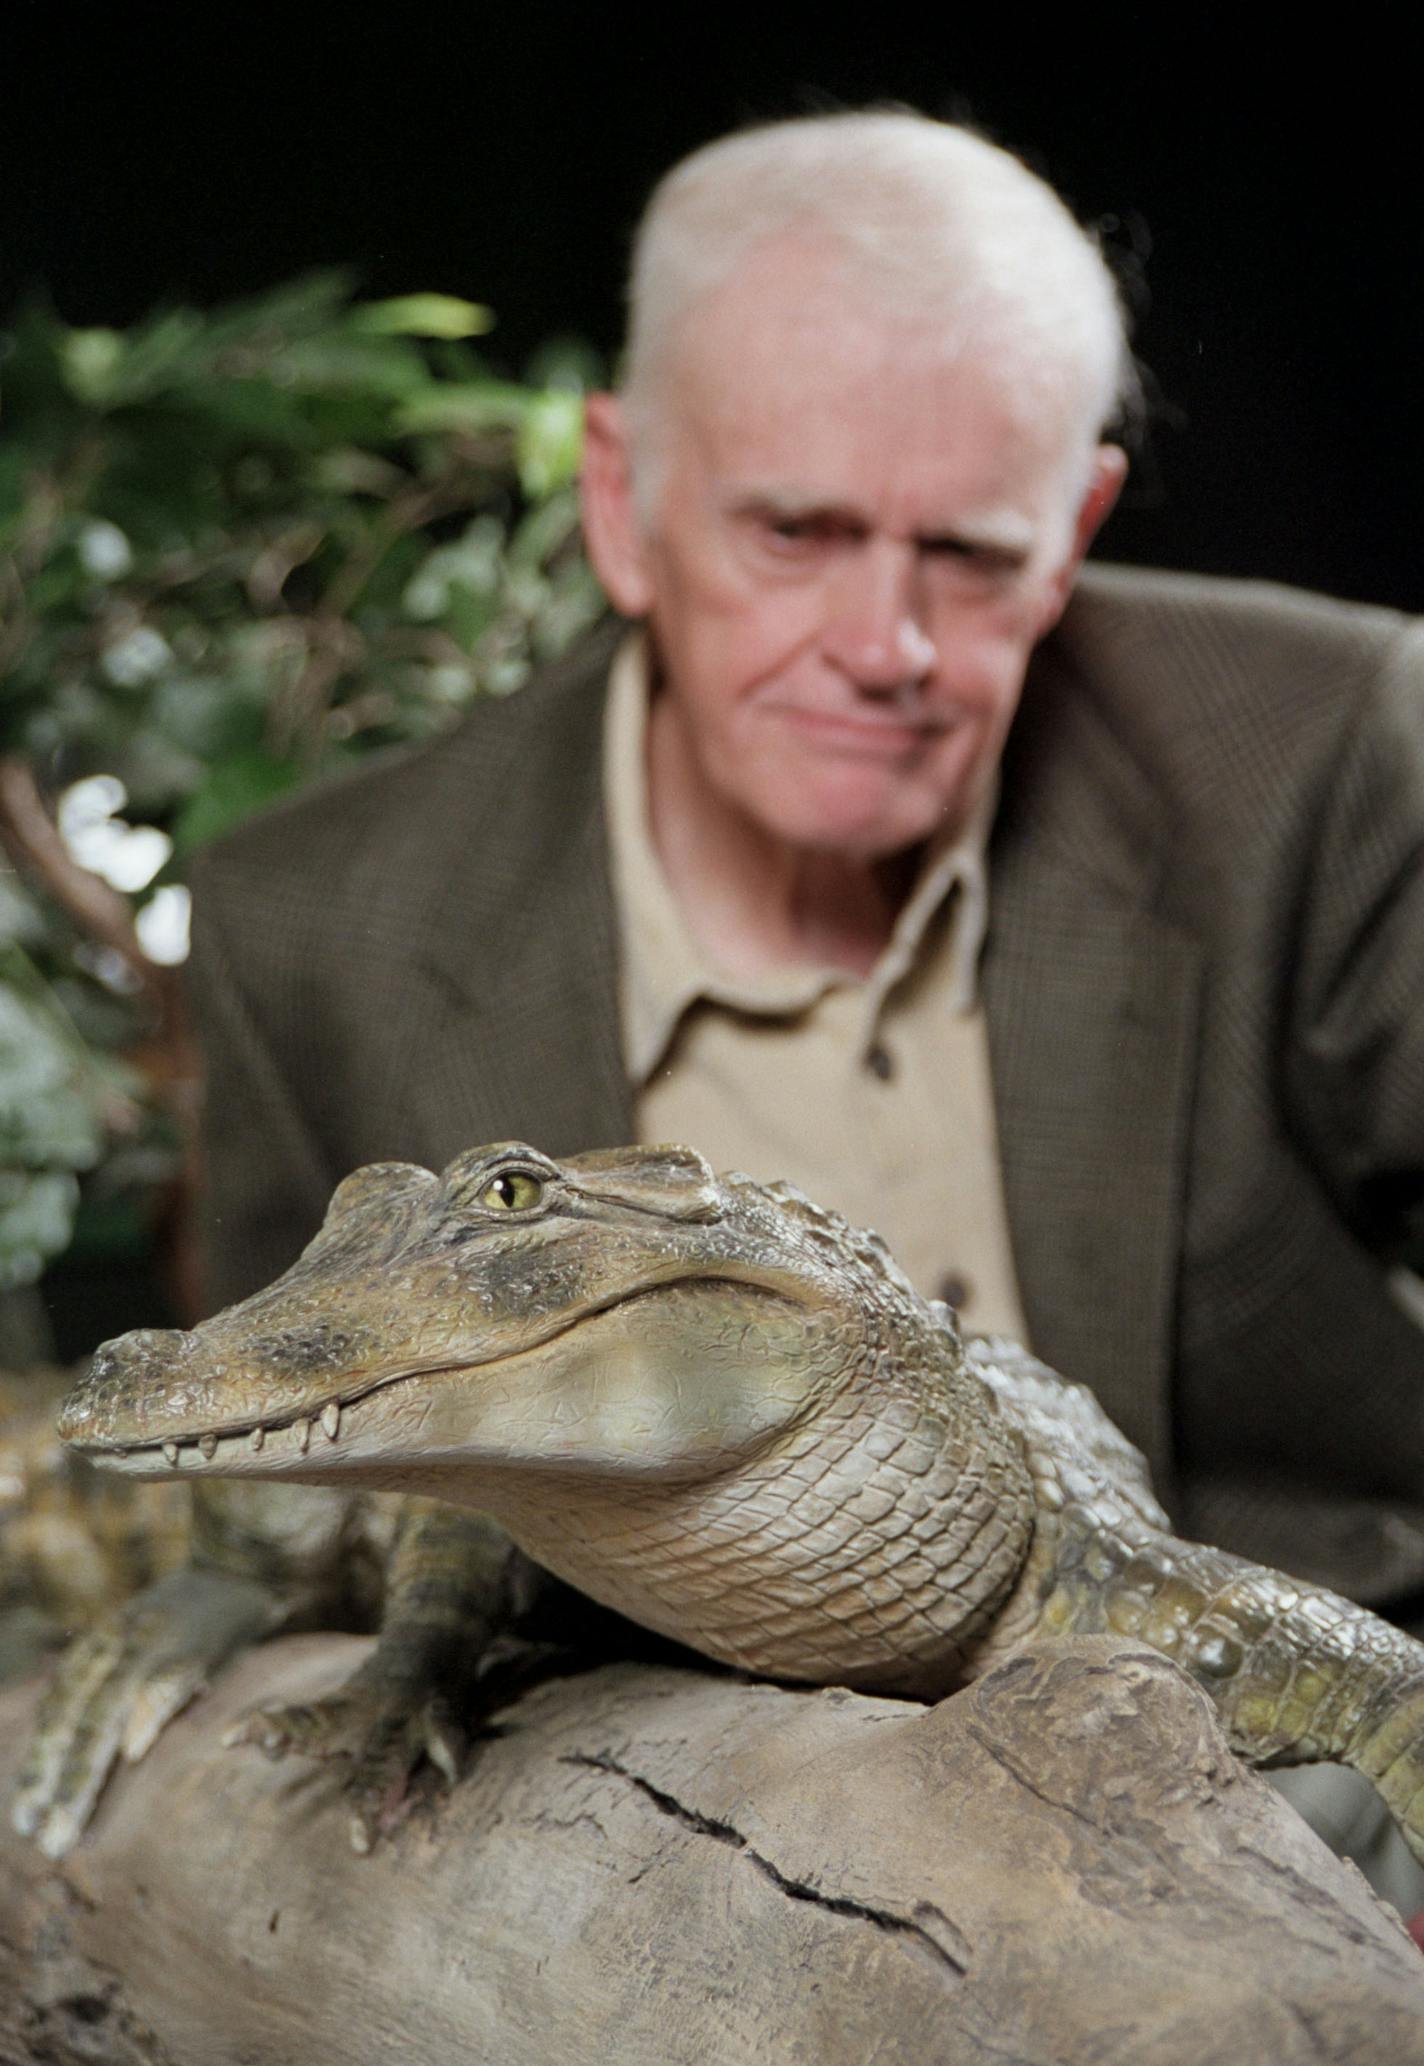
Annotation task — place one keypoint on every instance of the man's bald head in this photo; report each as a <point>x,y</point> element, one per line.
<point>917,222</point>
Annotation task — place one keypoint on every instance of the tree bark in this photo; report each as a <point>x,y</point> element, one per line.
<point>650,1866</point>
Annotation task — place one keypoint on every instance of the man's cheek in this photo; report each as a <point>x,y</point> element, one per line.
<point>749,649</point>
<point>982,672</point>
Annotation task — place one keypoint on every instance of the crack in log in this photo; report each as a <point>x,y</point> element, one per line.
<point>797,1890</point>
<point>1320,1903</point>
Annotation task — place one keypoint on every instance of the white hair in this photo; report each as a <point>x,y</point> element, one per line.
<point>945,229</point>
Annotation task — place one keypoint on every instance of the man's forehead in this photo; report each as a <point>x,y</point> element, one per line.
<point>790,302</point>
<point>785,388</point>
<point>931,450</point>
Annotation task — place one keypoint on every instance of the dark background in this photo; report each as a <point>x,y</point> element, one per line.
<point>1272,193</point>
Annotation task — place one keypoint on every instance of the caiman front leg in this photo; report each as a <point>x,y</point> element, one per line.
<point>1298,1675</point>
<point>454,1583</point>
<point>262,1558</point>
<point>120,1684</point>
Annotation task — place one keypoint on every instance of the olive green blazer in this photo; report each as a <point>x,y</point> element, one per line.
<point>1204,985</point>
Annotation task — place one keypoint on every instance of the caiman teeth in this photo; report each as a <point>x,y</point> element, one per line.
<point>208,1443</point>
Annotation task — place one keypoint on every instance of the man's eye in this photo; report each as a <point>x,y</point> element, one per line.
<point>991,561</point>
<point>789,530</point>
<point>514,1191</point>
<point>808,530</point>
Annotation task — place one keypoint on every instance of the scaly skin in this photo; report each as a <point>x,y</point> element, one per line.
<point>726,1414</point>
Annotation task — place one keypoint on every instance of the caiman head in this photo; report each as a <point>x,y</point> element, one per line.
<point>622,1312</point>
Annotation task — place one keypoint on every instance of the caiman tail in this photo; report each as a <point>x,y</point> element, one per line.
<point>1297,1674</point>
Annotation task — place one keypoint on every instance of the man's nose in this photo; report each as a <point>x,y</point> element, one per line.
<point>876,633</point>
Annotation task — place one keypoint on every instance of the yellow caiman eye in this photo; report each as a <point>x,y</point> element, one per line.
<point>514,1191</point>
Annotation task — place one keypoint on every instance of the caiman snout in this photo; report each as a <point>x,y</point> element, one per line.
<point>118,1376</point>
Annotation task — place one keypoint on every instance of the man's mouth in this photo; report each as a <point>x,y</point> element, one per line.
<point>895,729</point>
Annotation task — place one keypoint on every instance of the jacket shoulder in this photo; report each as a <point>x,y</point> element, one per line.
<point>1198,712</point>
<point>1245,637</point>
<point>394,825</point>
<point>1197,676</point>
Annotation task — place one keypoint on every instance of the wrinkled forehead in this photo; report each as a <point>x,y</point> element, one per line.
<point>949,455</point>
<point>800,329</point>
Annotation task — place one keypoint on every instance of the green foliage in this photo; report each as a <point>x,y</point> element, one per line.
<point>238,549</point>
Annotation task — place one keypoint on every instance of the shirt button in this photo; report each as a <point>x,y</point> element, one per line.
<point>954,1289</point>
<point>879,1062</point>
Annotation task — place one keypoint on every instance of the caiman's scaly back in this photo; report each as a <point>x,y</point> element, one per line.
<point>717,1408</point>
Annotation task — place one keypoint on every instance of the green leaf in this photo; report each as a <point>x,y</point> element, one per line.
<point>93,362</point>
<point>233,790</point>
<point>468,406</point>
<point>470,562</point>
<point>545,531</point>
<point>566,362</point>
<point>425,315</point>
<point>550,442</point>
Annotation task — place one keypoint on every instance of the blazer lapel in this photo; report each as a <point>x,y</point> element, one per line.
<point>1091,999</point>
<point>1091,1016</point>
<point>513,974</point>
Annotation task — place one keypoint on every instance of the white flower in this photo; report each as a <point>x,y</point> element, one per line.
<point>104,551</point>
<point>162,925</point>
<point>128,856</point>
<point>136,657</point>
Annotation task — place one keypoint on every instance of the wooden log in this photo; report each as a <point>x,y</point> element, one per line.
<point>653,1866</point>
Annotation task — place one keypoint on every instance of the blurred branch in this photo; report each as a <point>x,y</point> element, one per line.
<point>168,1058</point>
<point>31,838</point>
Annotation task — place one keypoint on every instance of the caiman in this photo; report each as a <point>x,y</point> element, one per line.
<point>721,1411</point>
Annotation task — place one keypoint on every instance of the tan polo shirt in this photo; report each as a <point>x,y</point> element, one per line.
<point>872,1093</point>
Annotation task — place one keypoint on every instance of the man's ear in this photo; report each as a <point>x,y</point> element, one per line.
<point>611,530</point>
<point>1109,471</point>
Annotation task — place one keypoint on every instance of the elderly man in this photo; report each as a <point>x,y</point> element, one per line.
<point>1067,930</point>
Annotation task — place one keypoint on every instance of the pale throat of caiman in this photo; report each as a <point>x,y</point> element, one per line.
<point>689,1416</point>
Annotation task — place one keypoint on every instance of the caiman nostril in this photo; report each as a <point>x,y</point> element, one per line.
<point>153,1341</point>
<point>145,1347</point>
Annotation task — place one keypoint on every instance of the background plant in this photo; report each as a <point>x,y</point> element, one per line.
<point>238,549</point>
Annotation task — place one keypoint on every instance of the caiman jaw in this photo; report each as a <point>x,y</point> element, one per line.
<point>284,1437</point>
<point>231,1446</point>
<point>209,1447</point>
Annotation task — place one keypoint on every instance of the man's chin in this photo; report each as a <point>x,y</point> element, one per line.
<point>859,823</point>
<point>867,805</point>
